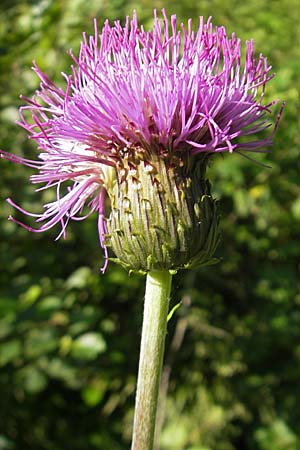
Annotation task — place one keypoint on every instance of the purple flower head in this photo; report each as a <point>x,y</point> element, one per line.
<point>136,93</point>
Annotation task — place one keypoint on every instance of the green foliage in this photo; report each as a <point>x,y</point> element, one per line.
<point>277,436</point>
<point>69,337</point>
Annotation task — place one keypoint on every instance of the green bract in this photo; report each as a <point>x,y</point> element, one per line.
<point>162,214</point>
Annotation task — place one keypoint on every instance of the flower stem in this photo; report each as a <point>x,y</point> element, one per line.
<point>158,287</point>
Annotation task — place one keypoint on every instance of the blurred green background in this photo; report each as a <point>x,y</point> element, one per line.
<point>70,336</point>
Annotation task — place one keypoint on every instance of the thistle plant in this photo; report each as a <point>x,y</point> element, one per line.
<point>130,137</point>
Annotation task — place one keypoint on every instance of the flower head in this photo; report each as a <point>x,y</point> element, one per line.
<point>139,102</point>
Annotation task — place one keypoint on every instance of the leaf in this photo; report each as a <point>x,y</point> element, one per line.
<point>173,310</point>
<point>94,393</point>
<point>40,342</point>
<point>9,351</point>
<point>78,279</point>
<point>88,346</point>
<point>32,379</point>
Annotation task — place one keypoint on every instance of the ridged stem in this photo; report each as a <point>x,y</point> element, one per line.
<point>158,287</point>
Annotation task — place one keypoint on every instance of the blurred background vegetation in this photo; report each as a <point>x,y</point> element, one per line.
<point>70,336</point>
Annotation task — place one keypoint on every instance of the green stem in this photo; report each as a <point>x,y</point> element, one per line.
<point>158,287</point>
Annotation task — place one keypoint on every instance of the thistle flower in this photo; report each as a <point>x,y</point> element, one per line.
<point>141,115</point>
